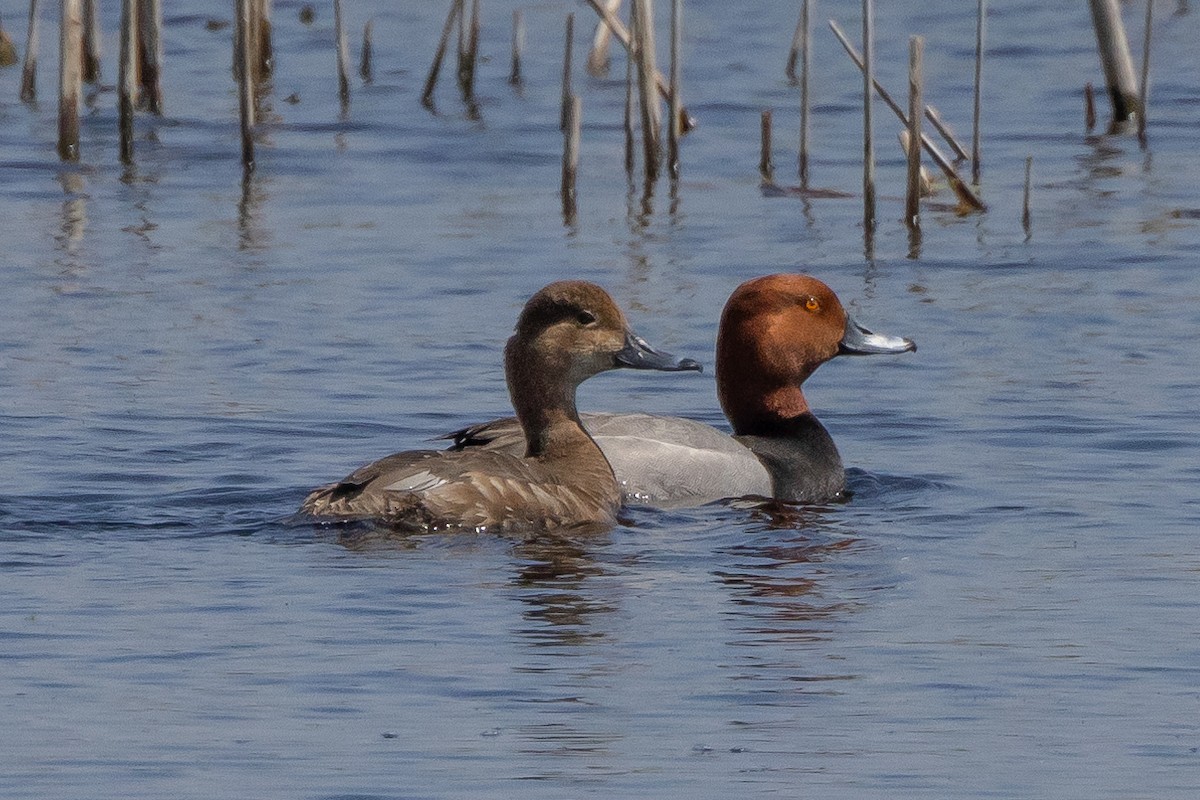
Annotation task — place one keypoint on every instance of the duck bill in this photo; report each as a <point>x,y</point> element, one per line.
<point>859,341</point>
<point>638,354</point>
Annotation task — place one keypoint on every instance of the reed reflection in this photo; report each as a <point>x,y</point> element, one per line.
<point>74,213</point>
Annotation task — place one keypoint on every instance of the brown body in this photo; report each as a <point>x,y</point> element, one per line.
<point>567,332</point>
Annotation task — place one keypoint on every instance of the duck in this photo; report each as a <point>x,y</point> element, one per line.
<point>566,333</point>
<point>774,332</point>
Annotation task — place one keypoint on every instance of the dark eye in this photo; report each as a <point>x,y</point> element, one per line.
<point>585,318</point>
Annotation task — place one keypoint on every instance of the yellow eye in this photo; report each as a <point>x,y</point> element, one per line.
<point>811,304</point>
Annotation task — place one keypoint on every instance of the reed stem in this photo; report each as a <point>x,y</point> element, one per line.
<point>1115,58</point>
<point>518,45</point>
<point>29,67</point>
<point>961,190</point>
<point>623,36</point>
<point>570,165</point>
<point>150,48</point>
<point>127,83</point>
<point>70,79</point>
<point>365,66</point>
<point>675,121</point>
<point>976,164</point>
<point>568,56</point>
<point>643,12</point>
<point>598,58</point>
<point>243,48</point>
<point>91,41</point>
<point>766,167</point>
<point>805,31</point>
<point>343,55</point>
<point>1026,219</point>
<point>868,71</point>
<point>439,54</point>
<point>916,93</point>
<point>1144,95</point>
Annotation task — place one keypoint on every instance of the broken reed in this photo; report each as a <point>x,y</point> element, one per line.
<point>766,167</point>
<point>965,196</point>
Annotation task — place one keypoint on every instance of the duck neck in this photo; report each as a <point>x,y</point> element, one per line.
<point>777,412</point>
<point>543,395</point>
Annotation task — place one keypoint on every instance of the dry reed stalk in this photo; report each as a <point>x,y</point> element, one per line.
<point>935,119</point>
<point>630,157</point>
<point>766,167</point>
<point>623,36</point>
<point>469,57</point>
<point>127,82</point>
<point>29,67</point>
<point>70,84</point>
<point>364,55</point>
<point>570,165</point>
<point>568,57</point>
<point>1144,95</point>
<point>976,164</point>
<point>343,55</point>
<point>805,31</point>
<point>436,67</point>
<point>598,58</point>
<point>1089,107</point>
<point>242,59</point>
<point>91,41</point>
<point>926,179</point>
<point>518,45</point>
<point>967,197</point>
<point>675,120</point>
<point>1026,219</point>
<point>150,49</point>
<point>868,71</point>
<point>1115,58</point>
<point>643,12</point>
<point>794,51</point>
<point>916,92</point>
<point>264,55</point>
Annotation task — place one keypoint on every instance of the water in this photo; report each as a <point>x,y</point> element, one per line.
<point>1006,608</point>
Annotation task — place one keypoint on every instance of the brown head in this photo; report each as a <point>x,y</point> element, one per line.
<point>568,332</point>
<point>775,331</point>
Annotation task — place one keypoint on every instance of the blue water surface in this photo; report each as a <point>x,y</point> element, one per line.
<point>1006,608</point>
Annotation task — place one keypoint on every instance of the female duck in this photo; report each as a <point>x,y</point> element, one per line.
<point>774,332</point>
<point>567,332</point>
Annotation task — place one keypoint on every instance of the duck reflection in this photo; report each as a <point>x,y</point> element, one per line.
<point>553,572</point>
<point>777,578</point>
